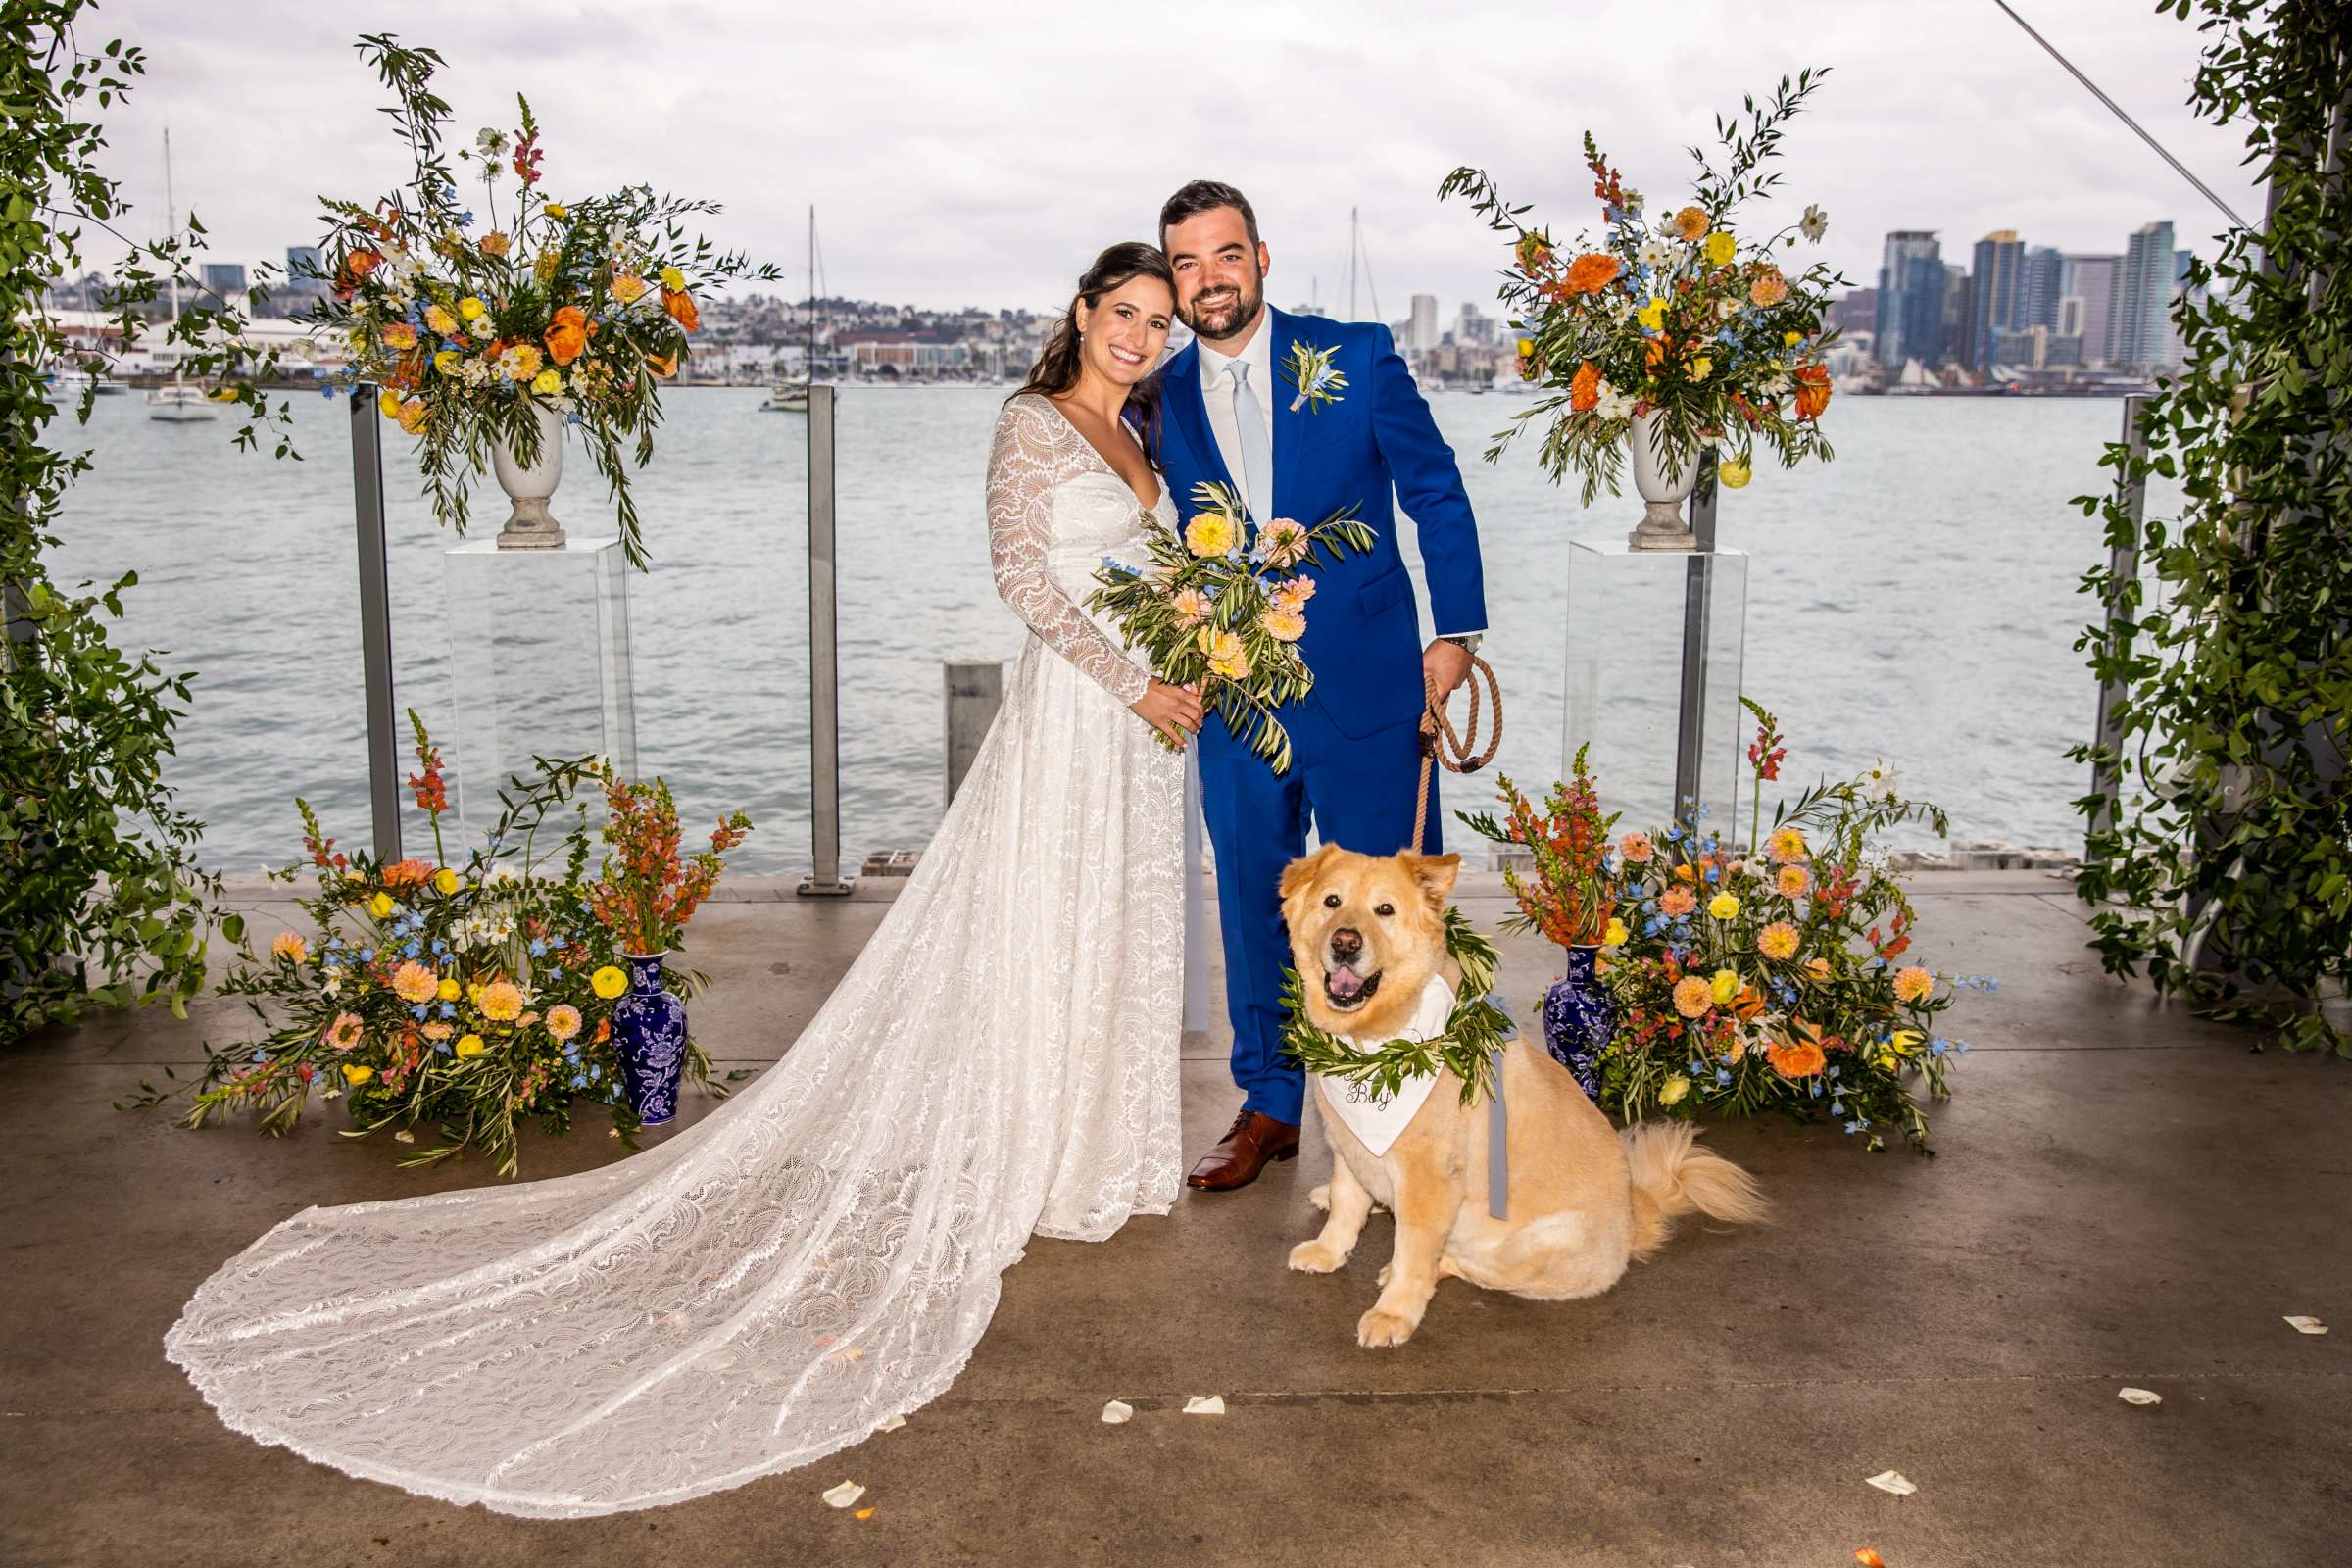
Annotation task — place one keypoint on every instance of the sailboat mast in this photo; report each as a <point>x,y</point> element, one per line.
<point>812,291</point>
<point>1352,245</point>
<point>171,223</point>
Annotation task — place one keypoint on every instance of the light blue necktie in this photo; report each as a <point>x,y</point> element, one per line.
<point>1257,452</point>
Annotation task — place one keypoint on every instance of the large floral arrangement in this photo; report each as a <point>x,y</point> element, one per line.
<point>1772,978</point>
<point>1222,607</point>
<point>472,321</point>
<point>1572,897</point>
<point>469,999</point>
<point>1681,315</point>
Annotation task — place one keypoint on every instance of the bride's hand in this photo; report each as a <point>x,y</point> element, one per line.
<point>1173,710</point>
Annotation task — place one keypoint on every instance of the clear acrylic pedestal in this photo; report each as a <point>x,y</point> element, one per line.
<point>1626,612</point>
<point>539,665</point>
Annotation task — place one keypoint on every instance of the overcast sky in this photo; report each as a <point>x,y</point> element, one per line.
<point>961,153</point>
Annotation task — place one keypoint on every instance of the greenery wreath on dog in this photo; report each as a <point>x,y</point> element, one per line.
<point>1469,1047</point>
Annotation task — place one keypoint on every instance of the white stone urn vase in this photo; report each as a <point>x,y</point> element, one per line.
<point>528,525</point>
<point>1662,526</point>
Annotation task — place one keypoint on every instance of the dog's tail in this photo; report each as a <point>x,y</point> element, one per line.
<point>1673,1176</point>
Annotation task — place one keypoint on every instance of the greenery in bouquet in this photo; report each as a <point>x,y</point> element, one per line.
<point>647,894</point>
<point>1572,898</point>
<point>1222,607</point>
<point>474,323</point>
<point>472,998</point>
<point>1684,316</point>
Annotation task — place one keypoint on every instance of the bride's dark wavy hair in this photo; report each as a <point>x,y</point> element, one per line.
<point>1057,368</point>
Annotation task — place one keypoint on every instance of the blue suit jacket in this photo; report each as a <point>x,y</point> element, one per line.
<point>1364,638</point>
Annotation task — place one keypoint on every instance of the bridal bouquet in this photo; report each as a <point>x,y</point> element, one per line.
<point>1681,315</point>
<point>469,998</point>
<point>1223,606</point>
<point>474,323</point>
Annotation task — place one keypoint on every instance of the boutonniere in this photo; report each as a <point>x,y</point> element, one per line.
<point>1310,370</point>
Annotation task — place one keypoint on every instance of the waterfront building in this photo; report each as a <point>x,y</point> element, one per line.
<point>1998,297</point>
<point>2139,334</point>
<point>1908,323</point>
<point>2087,283</point>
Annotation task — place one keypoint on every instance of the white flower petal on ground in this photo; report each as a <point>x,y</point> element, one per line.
<point>893,1424</point>
<point>1205,1405</point>
<point>2139,1395</point>
<point>1895,1481</point>
<point>843,1495</point>
<point>1117,1413</point>
<point>2308,1325</point>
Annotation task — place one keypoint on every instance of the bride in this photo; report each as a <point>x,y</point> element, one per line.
<point>821,1253</point>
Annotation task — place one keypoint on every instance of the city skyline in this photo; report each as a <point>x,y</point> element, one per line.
<point>986,201</point>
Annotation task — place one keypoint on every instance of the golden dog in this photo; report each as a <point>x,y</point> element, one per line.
<point>1366,934</point>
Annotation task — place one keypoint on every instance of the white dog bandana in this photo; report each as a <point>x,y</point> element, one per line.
<point>1378,1119</point>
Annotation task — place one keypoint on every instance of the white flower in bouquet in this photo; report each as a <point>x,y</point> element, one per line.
<point>1877,781</point>
<point>1814,224</point>
<point>1613,404</point>
<point>1655,253</point>
<point>492,142</point>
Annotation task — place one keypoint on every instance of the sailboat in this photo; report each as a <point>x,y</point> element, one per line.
<point>792,397</point>
<point>178,403</point>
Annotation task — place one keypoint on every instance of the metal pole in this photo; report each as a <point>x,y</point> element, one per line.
<point>824,879</point>
<point>2123,565</point>
<point>1698,594</point>
<point>376,621</point>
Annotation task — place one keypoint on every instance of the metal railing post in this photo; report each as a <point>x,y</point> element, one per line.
<point>824,879</point>
<point>376,621</point>
<point>2123,565</point>
<point>1698,592</point>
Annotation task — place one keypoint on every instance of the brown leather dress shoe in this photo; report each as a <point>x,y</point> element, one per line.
<point>1255,1142</point>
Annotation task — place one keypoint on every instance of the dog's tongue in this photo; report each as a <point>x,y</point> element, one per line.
<point>1344,982</point>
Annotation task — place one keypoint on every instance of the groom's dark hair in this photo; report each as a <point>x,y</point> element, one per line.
<point>1204,196</point>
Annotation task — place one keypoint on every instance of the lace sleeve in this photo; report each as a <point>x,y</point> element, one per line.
<point>1023,465</point>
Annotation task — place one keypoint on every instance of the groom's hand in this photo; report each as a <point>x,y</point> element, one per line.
<point>1444,665</point>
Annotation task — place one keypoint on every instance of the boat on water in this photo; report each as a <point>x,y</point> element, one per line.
<point>787,397</point>
<point>178,403</point>
<point>792,397</point>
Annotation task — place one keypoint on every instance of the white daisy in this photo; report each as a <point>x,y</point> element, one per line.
<point>1814,225</point>
<point>1614,405</point>
<point>1655,252</point>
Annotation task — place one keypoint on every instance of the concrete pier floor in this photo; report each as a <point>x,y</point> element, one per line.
<point>2123,1196</point>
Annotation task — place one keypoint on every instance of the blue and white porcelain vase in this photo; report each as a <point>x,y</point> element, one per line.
<point>1579,1015</point>
<point>649,1036</point>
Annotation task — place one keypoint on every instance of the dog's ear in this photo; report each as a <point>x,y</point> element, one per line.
<point>1302,873</point>
<point>1435,872</point>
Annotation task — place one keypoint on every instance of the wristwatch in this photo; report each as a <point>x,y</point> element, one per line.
<point>1468,642</point>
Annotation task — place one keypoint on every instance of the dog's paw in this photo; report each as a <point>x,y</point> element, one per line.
<point>1379,1330</point>
<point>1313,1257</point>
<point>1320,1196</point>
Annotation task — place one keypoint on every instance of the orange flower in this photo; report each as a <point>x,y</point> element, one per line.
<point>356,267</point>
<point>405,874</point>
<point>1914,984</point>
<point>1637,848</point>
<point>1694,997</point>
<point>1690,223</point>
<point>628,289</point>
<point>663,366</point>
<point>680,306</point>
<point>1792,881</point>
<point>1797,1057</point>
<point>399,335</point>
<point>1812,391</point>
<point>501,1002</point>
<point>495,243</point>
<point>568,335</point>
<point>1769,288</point>
<point>1592,272</point>
<point>1583,389</point>
<point>1679,902</point>
<point>1655,350</point>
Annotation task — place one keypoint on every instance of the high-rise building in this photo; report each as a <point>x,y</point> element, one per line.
<point>1909,325</point>
<point>1856,310</point>
<point>2000,264</point>
<point>1425,322</point>
<point>226,280</point>
<point>1474,326</point>
<point>2089,281</point>
<point>1959,314</point>
<point>2040,284</point>
<point>2143,290</point>
<point>305,265</point>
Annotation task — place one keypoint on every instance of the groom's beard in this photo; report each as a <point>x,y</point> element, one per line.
<point>1218,314</point>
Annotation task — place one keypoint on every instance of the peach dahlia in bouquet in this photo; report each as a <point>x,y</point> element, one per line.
<point>1682,316</point>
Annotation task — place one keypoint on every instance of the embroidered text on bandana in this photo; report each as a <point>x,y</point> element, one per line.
<point>1378,1120</point>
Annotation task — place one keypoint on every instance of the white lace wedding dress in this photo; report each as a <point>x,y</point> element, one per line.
<point>822,1253</point>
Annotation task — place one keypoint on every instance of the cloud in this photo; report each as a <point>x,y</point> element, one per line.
<point>981,155</point>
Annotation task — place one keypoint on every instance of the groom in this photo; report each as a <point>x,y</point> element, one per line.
<point>1230,413</point>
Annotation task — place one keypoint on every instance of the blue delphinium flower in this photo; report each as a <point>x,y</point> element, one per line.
<point>538,947</point>
<point>419,1010</point>
<point>261,1056</point>
<point>449,1010</point>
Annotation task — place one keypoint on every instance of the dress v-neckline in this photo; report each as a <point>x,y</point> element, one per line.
<point>1109,467</point>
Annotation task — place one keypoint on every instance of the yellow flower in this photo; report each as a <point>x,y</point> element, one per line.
<point>1694,997</point>
<point>1700,366</point>
<point>290,945</point>
<point>1722,905</point>
<point>470,308</point>
<point>440,320</point>
<point>448,990</point>
<point>387,403</point>
<point>415,983</point>
<point>448,881</point>
<point>412,414</point>
<point>1913,984</point>
<point>1778,941</point>
<point>1905,1042</point>
<point>1732,473</point>
<point>1720,247</point>
<point>1818,969</point>
<point>380,906</point>
<point>627,288</point>
<point>469,1045</point>
<point>1727,986</point>
<point>608,982</point>
<point>1887,1064</point>
<point>1617,934</point>
<point>1790,341</point>
<point>1652,315</point>
<point>521,361</point>
<point>1227,657</point>
<point>673,280</point>
<point>1676,1088</point>
<point>1210,533</point>
<point>556,209</point>
<point>501,1002</point>
<point>355,1075</point>
<point>446,362</point>
<point>1787,845</point>
<point>547,383</point>
<point>563,1020</point>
